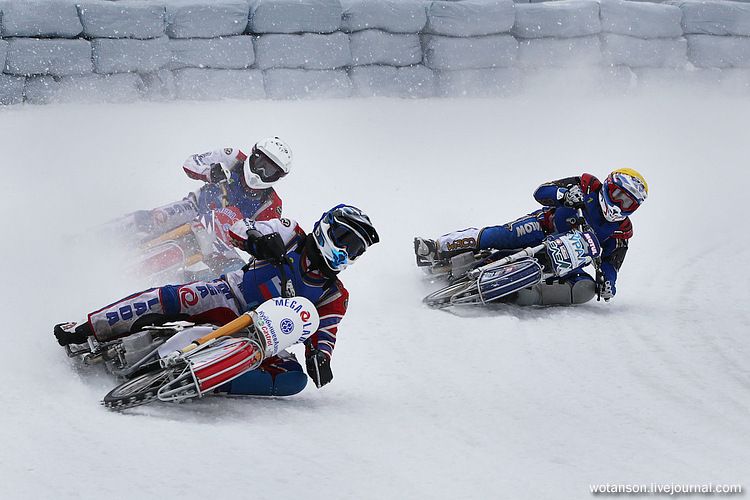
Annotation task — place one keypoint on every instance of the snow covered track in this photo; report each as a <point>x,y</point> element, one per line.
<point>509,403</point>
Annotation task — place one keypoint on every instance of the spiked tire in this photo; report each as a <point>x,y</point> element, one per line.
<point>140,390</point>
<point>462,291</point>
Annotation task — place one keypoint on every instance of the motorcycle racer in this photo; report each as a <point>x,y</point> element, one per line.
<point>236,183</point>
<point>607,207</point>
<point>287,262</point>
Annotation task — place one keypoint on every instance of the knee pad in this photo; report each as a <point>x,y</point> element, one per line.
<point>575,290</point>
<point>262,383</point>
<point>583,290</point>
<point>288,383</point>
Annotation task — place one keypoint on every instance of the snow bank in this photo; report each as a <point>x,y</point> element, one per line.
<point>715,17</point>
<point>395,16</point>
<point>232,52</point>
<point>708,51</point>
<point>308,51</point>
<point>540,52</point>
<point>380,47</point>
<point>208,84</point>
<point>389,81</point>
<point>126,55</point>
<point>470,17</point>
<point>58,57</point>
<point>442,52</point>
<point>564,18</point>
<point>11,89</point>
<point>601,81</point>
<point>637,52</point>
<point>367,47</point>
<point>159,85</point>
<point>122,19</point>
<point>479,82</point>
<point>83,88</point>
<point>53,18</point>
<point>295,16</point>
<point>640,19</point>
<point>301,84</point>
<point>201,19</point>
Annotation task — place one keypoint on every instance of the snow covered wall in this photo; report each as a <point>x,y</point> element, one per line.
<point>63,50</point>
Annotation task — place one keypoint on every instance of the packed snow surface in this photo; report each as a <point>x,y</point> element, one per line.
<point>532,403</point>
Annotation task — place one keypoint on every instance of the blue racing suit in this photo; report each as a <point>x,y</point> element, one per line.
<point>555,217</point>
<point>221,300</point>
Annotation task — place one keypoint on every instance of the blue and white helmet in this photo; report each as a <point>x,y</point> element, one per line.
<point>342,235</point>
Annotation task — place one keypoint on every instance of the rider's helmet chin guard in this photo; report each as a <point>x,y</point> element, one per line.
<point>622,192</point>
<point>342,235</point>
<point>269,161</point>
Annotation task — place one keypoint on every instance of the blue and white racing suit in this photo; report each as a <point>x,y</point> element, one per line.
<point>221,300</point>
<point>554,218</point>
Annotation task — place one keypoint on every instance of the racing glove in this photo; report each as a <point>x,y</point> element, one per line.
<point>217,173</point>
<point>319,367</point>
<point>266,246</point>
<point>571,197</point>
<point>262,246</point>
<point>607,290</point>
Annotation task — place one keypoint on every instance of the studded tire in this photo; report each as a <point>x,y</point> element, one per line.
<point>140,390</point>
<point>445,296</point>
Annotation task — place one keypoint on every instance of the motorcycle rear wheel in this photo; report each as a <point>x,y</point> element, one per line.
<point>140,390</point>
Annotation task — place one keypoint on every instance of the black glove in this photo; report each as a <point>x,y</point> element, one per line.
<point>319,367</point>
<point>266,246</point>
<point>217,173</point>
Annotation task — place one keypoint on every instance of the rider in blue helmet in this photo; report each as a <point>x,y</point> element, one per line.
<point>287,262</point>
<point>342,235</point>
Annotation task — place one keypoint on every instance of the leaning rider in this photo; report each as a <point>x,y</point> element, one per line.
<point>235,182</point>
<point>607,207</point>
<point>288,262</point>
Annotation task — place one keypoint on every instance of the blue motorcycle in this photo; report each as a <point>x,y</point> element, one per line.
<point>550,273</point>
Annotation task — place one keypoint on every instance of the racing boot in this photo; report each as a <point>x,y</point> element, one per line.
<point>72,333</point>
<point>426,252</point>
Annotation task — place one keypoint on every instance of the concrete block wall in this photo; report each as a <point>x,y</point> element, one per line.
<point>123,50</point>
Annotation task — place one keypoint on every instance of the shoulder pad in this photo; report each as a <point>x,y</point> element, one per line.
<point>589,183</point>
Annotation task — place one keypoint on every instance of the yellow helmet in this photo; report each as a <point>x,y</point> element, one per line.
<point>623,191</point>
<point>633,173</point>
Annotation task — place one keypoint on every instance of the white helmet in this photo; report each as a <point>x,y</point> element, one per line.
<point>269,161</point>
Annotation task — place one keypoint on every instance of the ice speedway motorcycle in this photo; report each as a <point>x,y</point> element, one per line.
<point>532,276</point>
<point>175,242</point>
<point>181,361</point>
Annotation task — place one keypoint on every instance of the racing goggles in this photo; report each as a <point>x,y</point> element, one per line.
<point>622,198</point>
<point>264,167</point>
<point>347,239</point>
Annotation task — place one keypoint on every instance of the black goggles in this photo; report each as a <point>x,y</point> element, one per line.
<point>265,167</point>
<point>346,239</point>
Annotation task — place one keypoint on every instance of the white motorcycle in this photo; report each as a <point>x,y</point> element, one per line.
<point>181,361</point>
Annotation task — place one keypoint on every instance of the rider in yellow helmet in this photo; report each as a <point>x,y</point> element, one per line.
<point>607,207</point>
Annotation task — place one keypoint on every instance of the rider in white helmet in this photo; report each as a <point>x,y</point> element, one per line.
<point>237,185</point>
<point>242,181</point>
<point>269,161</point>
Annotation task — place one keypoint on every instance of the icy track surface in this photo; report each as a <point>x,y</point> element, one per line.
<point>513,403</point>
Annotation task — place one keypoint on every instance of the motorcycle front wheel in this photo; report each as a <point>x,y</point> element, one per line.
<point>140,390</point>
<point>463,291</point>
